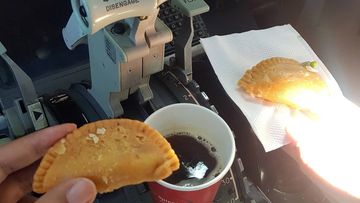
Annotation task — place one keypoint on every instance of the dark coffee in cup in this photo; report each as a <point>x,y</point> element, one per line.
<point>198,160</point>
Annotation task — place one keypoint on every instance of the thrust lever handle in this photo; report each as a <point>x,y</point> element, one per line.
<point>190,7</point>
<point>183,42</point>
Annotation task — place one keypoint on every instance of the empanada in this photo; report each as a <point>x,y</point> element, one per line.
<point>112,153</point>
<point>283,80</point>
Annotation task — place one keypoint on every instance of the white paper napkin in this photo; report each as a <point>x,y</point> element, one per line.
<point>232,55</point>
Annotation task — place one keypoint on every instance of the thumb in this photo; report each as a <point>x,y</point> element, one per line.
<point>80,190</point>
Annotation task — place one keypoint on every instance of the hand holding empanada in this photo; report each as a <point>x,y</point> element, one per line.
<point>111,153</point>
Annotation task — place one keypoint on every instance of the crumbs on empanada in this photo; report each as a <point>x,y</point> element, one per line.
<point>284,81</point>
<point>112,153</point>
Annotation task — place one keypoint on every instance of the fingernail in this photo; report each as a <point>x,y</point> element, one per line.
<point>81,192</point>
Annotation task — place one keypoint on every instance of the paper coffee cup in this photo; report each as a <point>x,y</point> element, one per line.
<point>199,121</point>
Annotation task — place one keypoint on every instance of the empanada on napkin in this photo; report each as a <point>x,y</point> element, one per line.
<point>112,153</point>
<point>283,80</point>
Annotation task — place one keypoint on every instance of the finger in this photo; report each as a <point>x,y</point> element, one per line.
<point>27,199</point>
<point>17,184</point>
<point>80,190</point>
<point>24,151</point>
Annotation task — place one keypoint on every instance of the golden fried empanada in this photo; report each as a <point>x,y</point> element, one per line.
<point>282,80</point>
<point>112,153</point>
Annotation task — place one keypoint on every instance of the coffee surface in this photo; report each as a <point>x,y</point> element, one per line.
<point>197,159</point>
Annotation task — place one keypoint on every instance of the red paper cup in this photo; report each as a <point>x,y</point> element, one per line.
<point>162,194</point>
<point>199,121</point>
